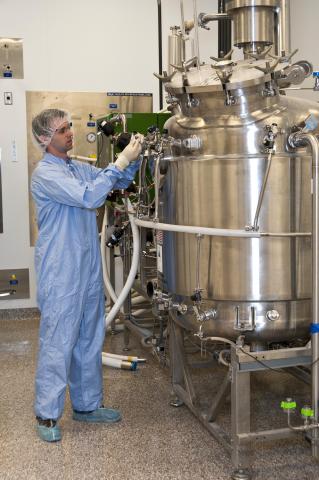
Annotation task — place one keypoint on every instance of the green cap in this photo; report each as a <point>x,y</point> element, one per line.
<point>307,412</point>
<point>288,405</point>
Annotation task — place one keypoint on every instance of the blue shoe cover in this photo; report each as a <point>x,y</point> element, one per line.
<point>49,434</point>
<point>100,415</point>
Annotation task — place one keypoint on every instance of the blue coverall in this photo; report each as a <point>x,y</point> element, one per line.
<point>70,290</point>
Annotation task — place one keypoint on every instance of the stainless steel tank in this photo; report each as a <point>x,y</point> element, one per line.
<point>213,177</point>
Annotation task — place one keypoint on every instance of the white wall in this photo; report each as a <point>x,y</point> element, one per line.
<point>304,29</point>
<point>73,45</point>
<point>96,45</point>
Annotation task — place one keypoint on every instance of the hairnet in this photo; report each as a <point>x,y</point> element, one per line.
<point>45,124</point>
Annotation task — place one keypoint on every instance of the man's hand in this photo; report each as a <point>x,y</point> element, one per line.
<point>131,152</point>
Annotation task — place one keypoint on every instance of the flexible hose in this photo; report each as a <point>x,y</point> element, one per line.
<point>118,363</point>
<point>127,358</point>
<point>131,277</point>
<point>221,358</point>
<point>107,283</point>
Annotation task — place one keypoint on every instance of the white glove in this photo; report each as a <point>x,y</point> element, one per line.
<point>131,152</point>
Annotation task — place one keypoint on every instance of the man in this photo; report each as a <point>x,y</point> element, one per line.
<point>69,274</point>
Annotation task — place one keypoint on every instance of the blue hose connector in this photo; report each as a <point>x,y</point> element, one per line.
<point>314,328</point>
<point>133,366</point>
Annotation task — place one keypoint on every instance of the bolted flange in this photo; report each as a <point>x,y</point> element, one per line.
<point>241,474</point>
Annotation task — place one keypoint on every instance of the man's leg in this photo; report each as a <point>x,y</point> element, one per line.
<point>59,330</point>
<point>85,381</point>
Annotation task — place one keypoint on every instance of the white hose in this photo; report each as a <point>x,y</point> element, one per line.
<point>216,232</point>
<point>221,358</point>
<point>118,363</point>
<point>84,159</point>
<point>141,311</point>
<point>131,277</point>
<point>107,282</point>
<point>219,339</point>
<point>220,232</point>
<point>127,358</point>
<point>137,300</point>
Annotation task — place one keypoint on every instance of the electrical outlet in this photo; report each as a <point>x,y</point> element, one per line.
<point>8,100</point>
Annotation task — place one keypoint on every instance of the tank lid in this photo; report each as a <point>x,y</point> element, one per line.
<point>243,74</point>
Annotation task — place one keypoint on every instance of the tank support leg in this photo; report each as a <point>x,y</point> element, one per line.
<point>240,419</point>
<point>181,378</point>
<point>127,333</point>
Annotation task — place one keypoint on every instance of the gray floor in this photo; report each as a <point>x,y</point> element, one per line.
<point>154,440</point>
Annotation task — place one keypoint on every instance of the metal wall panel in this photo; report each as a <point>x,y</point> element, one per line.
<point>14,284</point>
<point>84,107</point>
<point>11,58</point>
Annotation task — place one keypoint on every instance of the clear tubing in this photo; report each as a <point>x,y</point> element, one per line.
<point>133,271</point>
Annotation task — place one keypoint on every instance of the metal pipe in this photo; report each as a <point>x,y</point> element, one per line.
<point>156,185</point>
<point>300,140</point>
<point>205,18</point>
<point>160,51</point>
<point>283,36</point>
<point>182,17</point>
<point>224,32</point>
<point>196,34</point>
<point>262,192</point>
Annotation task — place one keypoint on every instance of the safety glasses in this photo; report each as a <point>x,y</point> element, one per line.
<point>64,128</point>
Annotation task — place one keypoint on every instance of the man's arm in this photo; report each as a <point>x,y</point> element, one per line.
<point>53,183</point>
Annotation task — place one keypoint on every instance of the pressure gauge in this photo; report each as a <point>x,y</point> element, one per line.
<point>91,137</point>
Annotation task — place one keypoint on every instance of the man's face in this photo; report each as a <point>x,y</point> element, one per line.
<point>62,140</point>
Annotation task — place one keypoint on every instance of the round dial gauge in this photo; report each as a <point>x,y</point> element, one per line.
<point>91,137</point>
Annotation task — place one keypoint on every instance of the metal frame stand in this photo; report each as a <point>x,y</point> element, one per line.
<point>237,379</point>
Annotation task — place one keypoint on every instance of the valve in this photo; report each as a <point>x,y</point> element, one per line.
<point>270,137</point>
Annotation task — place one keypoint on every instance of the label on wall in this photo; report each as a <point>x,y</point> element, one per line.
<point>125,94</point>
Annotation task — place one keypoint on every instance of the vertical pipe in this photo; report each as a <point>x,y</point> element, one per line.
<point>300,140</point>
<point>160,51</point>
<point>224,31</point>
<point>182,17</point>
<point>283,36</point>
<point>313,142</point>
<point>196,34</point>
